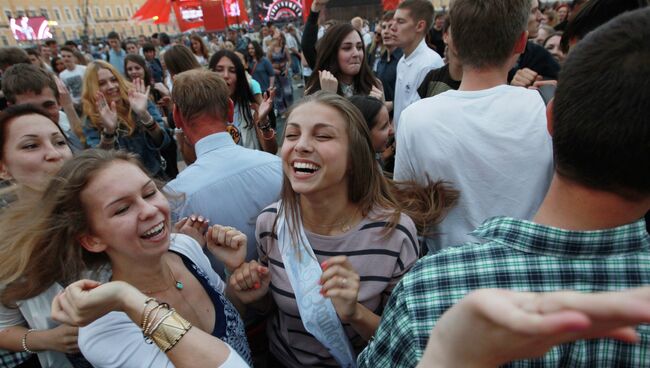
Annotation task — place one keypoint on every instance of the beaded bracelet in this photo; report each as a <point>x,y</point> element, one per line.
<point>146,302</point>
<point>24,341</point>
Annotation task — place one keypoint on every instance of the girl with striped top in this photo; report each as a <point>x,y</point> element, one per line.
<point>336,244</point>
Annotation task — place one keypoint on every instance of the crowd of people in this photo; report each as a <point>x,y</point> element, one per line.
<point>461,189</point>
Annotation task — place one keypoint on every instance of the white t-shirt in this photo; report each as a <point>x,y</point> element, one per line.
<point>115,341</point>
<point>411,71</point>
<point>73,79</point>
<point>492,145</point>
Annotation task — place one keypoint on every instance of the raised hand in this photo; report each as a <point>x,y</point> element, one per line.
<point>377,93</point>
<point>227,244</point>
<point>328,81</point>
<point>107,113</point>
<point>193,226</point>
<point>318,5</point>
<point>267,104</point>
<point>341,283</point>
<point>250,282</point>
<point>84,301</point>
<point>491,327</point>
<point>138,96</point>
<point>525,78</point>
<point>65,99</point>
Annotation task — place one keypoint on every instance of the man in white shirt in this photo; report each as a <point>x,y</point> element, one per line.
<point>488,139</point>
<point>410,25</point>
<point>73,74</point>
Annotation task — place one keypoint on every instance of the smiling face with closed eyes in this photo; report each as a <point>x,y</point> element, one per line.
<point>315,150</point>
<point>130,220</point>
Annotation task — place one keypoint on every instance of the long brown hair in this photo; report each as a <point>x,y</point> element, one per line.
<point>426,204</point>
<point>327,52</point>
<point>90,88</point>
<point>40,243</point>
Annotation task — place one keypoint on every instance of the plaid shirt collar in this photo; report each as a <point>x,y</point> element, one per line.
<point>527,236</point>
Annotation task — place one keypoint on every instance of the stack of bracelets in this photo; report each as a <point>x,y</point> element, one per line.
<point>162,325</point>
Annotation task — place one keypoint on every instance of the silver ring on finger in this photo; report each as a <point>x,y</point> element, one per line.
<point>344,282</point>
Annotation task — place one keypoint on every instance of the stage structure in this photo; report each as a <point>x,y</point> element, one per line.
<point>215,15</point>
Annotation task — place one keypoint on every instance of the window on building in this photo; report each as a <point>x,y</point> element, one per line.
<point>119,12</point>
<point>65,37</point>
<point>75,36</point>
<point>98,12</point>
<point>45,13</point>
<point>57,14</point>
<point>19,13</point>
<point>150,29</point>
<point>79,16</point>
<point>5,42</point>
<point>109,14</point>
<point>68,15</point>
<point>128,12</point>
<point>31,13</point>
<point>8,14</point>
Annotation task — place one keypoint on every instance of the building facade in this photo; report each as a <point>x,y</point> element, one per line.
<point>72,19</point>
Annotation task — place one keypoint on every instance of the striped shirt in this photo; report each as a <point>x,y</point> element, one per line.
<point>379,259</point>
<point>524,256</point>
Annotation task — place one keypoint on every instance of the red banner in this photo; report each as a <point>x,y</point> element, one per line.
<point>189,14</point>
<point>306,8</point>
<point>390,4</point>
<point>213,16</point>
<point>235,12</point>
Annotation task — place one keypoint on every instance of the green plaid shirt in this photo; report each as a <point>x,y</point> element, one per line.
<point>525,256</point>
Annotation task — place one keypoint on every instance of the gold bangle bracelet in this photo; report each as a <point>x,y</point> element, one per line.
<point>170,331</point>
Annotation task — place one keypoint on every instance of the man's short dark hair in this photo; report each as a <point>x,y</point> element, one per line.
<point>25,78</point>
<point>485,31</point>
<point>12,55</point>
<point>164,39</point>
<point>50,42</point>
<point>112,35</point>
<point>388,16</point>
<point>593,14</point>
<point>68,49</point>
<point>70,43</point>
<point>148,47</point>
<point>601,132</point>
<point>419,10</point>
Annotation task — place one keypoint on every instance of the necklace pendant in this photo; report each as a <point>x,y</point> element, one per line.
<point>345,228</point>
<point>179,285</point>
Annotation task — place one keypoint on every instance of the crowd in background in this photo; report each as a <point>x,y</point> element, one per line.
<point>466,188</point>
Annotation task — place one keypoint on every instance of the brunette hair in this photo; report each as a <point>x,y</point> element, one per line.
<point>53,64</point>
<point>243,96</point>
<point>41,238</point>
<point>369,108</point>
<point>12,55</point>
<point>24,78</point>
<point>259,52</point>
<point>204,49</point>
<point>419,10</point>
<point>327,52</point>
<point>90,88</point>
<point>140,61</point>
<point>15,111</point>
<point>601,136</point>
<point>179,58</point>
<point>367,185</point>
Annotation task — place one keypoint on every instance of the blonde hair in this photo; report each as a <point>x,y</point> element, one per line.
<point>90,88</point>
<point>40,243</point>
<point>426,204</point>
<point>200,91</point>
